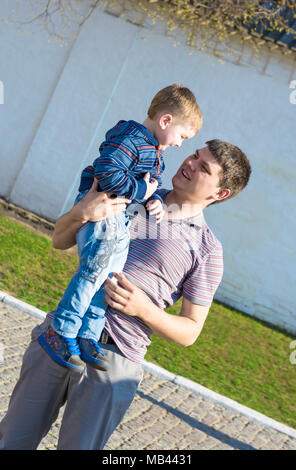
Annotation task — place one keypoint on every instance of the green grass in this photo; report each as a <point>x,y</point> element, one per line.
<point>235,355</point>
<point>30,268</point>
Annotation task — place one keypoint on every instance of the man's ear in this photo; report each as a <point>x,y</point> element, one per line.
<point>165,120</point>
<point>223,193</point>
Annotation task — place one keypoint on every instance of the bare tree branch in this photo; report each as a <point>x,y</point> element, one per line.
<point>202,22</point>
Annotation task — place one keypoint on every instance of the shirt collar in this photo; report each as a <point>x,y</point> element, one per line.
<point>146,133</point>
<point>196,221</point>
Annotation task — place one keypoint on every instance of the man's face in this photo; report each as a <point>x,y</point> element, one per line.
<point>198,177</point>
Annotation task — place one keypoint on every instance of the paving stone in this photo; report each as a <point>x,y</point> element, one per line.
<point>163,415</point>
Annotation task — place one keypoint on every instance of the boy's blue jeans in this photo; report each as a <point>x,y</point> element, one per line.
<point>102,248</point>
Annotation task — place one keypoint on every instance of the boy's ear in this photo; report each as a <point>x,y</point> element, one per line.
<point>165,120</point>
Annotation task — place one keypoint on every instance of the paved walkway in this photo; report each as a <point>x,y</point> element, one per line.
<point>167,413</point>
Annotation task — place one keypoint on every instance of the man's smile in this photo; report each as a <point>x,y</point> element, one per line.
<point>186,174</point>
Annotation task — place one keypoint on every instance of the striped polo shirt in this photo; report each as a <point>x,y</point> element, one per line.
<point>167,261</point>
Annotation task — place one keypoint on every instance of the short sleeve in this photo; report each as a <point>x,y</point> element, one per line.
<point>202,282</point>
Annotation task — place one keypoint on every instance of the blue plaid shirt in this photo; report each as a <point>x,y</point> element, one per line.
<point>128,152</point>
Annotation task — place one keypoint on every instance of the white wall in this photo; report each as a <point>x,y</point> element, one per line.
<point>30,68</point>
<point>60,101</point>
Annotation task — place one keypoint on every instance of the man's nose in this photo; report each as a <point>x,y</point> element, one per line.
<point>191,163</point>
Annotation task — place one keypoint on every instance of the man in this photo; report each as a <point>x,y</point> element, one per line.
<point>180,257</point>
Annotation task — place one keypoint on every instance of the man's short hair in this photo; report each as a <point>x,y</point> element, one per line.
<point>235,166</point>
<point>179,101</point>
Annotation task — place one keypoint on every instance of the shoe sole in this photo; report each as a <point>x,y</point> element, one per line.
<point>94,362</point>
<point>44,344</point>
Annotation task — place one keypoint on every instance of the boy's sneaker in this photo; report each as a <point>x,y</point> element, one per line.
<point>92,354</point>
<point>65,351</point>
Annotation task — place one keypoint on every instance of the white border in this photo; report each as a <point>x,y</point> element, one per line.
<point>177,379</point>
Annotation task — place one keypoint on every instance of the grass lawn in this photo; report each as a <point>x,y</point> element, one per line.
<point>235,355</point>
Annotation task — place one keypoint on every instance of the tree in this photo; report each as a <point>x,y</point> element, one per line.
<point>206,24</point>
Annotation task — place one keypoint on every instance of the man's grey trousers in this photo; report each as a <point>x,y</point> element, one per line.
<point>96,401</point>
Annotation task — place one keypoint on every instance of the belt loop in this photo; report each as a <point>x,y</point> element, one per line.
<point>104,337</point>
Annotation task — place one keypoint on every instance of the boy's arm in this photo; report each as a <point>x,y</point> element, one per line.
<point>154,206</point>
<point>113,170</point>
<point>156,195</point>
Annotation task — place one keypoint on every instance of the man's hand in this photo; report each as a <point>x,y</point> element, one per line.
<point>151,187</point>
<point>96,205</point>
<point>93,207</point>
<point>183,329</point>
<point>125,296</point>
<point>155,208</point>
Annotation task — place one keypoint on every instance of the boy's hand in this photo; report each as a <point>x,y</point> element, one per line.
<point>155,208</point>
<point>151,187</point>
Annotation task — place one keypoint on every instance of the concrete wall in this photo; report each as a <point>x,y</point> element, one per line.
<point>60,101</point>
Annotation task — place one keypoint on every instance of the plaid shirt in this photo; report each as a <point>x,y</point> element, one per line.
<point>128,152</point>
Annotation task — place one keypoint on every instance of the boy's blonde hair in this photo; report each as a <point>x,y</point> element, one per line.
<point>178,101</point>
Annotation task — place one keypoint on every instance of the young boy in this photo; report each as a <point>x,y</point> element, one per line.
<point>129,157</point>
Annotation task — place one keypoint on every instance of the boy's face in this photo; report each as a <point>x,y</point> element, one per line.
<point>171,133</point>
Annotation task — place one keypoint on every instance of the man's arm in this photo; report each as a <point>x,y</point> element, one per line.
<point>93,207</point>
<point>183,329</point>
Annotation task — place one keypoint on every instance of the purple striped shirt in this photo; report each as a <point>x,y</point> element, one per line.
<point>167,261</point>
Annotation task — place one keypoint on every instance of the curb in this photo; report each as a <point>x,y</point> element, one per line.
<point>220,399</point>
<point>177,379</point>
<point>27,308</point>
